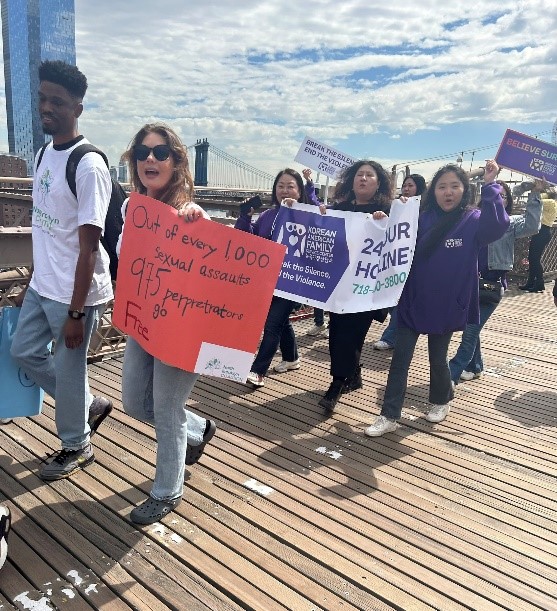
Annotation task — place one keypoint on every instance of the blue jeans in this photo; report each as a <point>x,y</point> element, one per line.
<point>389,334</point>
<point>468,357</point>
<point>63,375</point>
<point>318,317</point>
<point>278,331</point>
<point>156,393</point>
<point>440,389</point>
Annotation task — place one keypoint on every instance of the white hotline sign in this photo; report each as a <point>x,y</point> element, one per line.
<point>322,158</point>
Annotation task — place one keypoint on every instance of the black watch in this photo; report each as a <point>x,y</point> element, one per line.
<point>76,314</point>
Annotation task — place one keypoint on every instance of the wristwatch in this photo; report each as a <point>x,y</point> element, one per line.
<point>76,314</point>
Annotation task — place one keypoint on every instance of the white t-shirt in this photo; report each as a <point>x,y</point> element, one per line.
<point>57,215</point>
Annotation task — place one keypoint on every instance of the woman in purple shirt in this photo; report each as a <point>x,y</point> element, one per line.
<point>441,293</point>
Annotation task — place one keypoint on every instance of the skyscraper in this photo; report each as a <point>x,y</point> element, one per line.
<point>32,31</point>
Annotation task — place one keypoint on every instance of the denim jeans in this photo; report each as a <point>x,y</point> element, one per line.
<point>278,331</point>
<point>440,389</point>
<point>156,393</point>
<point>468,357</point>
<point>63,375</point>
<point>318,317</point>
<point>389,334</point>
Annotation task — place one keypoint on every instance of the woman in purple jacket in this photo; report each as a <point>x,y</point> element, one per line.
<point>441,293</point>
<point>278,329</point>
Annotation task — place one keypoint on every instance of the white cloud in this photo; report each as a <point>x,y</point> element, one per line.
<point>255,77</point>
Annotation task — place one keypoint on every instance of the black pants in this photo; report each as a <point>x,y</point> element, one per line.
<point>538,243</point>
<point>347,334</point>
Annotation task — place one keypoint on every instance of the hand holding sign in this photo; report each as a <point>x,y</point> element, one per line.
<point>185,291</point>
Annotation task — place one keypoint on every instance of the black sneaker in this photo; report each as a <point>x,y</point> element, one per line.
<point>98,411</point>
<point>67,462</point>
<point>5,523</point>
<point>332,395</point>
<point>193,453</point>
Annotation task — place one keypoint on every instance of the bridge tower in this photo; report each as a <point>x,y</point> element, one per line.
<point>201,163</point>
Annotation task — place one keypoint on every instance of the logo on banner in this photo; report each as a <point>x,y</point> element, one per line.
<point>317,253</point>
<point>293,236</point>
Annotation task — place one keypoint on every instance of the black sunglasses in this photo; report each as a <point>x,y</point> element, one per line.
<point>161,152</point>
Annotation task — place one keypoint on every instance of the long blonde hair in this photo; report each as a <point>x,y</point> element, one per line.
<point>180,189</point>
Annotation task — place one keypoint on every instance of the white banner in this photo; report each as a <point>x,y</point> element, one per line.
<point>322,158</point>
<point>344,261</point>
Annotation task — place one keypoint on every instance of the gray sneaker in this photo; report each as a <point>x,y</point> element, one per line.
<point>438,413</point>
<point>67,462</point>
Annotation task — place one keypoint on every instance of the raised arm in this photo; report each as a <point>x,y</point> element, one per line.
<point>494,221</point>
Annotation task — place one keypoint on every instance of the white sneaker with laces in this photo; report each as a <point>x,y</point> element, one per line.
<point>317,330</point>
<point>469,375</point>
<point>381,426</point>
<point>255,379</point>
<point>438,413</point>
<point>381,345</point>
<point>287,366</point>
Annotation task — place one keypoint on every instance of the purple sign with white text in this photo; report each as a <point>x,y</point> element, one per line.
<point>528,155</point>
<point>317,254</point>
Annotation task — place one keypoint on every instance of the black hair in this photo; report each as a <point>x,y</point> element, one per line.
<point>447,220</point>
<point>344,187</point>
<point>66,75</point>
<point>299,180</point>
<point>419,181</point>
<point>509,201</point>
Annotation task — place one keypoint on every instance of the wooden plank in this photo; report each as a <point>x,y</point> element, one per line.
<point>451,516</point>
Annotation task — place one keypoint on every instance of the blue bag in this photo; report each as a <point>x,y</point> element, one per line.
<point>19,396</point>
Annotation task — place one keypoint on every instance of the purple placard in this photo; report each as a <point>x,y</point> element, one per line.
<point>528,155</point>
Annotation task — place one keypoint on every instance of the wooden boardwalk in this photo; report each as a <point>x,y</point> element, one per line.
<point>289,509</point>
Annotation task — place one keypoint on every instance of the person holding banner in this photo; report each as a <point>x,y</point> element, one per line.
<point>494,261</point>
<point>153,391</point>
<point>278,331</point>
<point>441,292</point>
<point>365,187</point>
<point>414,184</point>
<point>539,241</point>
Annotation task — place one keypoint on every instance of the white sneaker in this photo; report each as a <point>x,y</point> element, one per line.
<point>255,379</point>
<point>469,375</point>
<point>317,330</point>
<point>381,345</point>
<point>5,523</point>
<point>438,413</point>
<point>287,366</point>
<point>381,426</point>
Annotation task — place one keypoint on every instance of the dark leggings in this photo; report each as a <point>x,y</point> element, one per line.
<point>538,243</point>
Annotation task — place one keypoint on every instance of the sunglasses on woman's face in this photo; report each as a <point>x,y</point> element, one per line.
<point>161,152</point>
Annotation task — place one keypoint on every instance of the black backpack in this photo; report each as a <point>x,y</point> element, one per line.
<point>114,222</point>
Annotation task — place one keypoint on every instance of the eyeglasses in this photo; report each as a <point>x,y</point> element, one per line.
<point>161,152</point>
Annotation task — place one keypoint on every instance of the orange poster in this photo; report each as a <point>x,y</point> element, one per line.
<point>195,295</point>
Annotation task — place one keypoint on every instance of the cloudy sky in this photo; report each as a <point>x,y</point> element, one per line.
<point>399,81</point>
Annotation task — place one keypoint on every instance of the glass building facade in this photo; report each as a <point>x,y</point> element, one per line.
<point>32,31</point>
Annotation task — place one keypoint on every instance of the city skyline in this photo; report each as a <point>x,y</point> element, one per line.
<point>31,32</point>
<point>401,83</point>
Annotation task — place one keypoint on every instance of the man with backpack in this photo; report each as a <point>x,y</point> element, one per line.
<point>70,284</point>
